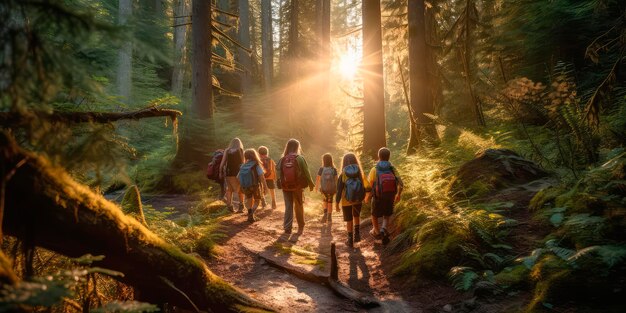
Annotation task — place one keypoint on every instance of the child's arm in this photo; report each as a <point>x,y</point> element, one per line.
<point>262,178</point>
<point>339,192</point>
<point>317,183</point>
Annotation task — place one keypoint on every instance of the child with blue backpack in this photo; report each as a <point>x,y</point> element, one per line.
<point>326,183</point>
<point>386,191</point>
<point>351,189</point>
<point>252,181</point>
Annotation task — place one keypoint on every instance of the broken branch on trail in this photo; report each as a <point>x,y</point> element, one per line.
<point>45,206</point>
<point>317,276</point>
<point>14,118</point>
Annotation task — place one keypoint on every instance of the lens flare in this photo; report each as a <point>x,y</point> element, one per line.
<point>349,64</point>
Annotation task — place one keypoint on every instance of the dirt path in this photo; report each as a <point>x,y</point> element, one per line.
<point>360,267</point>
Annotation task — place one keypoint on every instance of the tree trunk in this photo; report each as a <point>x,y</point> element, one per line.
<point>202,99</point>
<point>267,44</point>
<point>293,62</point>
<point>244,56</point>
<point>64,216</point>
<point>374,131</point>
<point>125,54</point>
<point>418,73</point>
<point>181,10</point>
<point>323,76</point>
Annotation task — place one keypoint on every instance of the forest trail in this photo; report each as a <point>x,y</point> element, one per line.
<point>237,262</point>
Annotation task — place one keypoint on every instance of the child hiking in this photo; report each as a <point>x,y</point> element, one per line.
<point>270,175</point>
<point>293,176</point>
<point>386,190</point>
<point>351,189</point>
<point>229,168</point>
<point>326,183</point>
<point>252,181</point>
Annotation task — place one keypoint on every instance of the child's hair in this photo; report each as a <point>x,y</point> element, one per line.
<point>251,154</point>
<point>384,154</point>
<point>349,159</point>
<point>327,160</point>
<point>292,146</point>
<point>235,144</point>
<point>263,150</point>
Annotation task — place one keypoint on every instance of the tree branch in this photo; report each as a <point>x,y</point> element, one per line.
<point>14,118</point>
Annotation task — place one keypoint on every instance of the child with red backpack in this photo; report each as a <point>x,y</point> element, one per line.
<point>252,182</point>
<point>386,190</point>
<point>293,176</point>
<point>270,175</point>
<point>326,183</point>
<point>213,171</point>
<point>352,187</point>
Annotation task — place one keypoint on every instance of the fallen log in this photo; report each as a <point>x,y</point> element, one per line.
<point>47,208</point>
<point>15,119</point>
<point>330,280</point>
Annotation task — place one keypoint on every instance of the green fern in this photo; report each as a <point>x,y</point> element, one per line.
<point>463,278</point>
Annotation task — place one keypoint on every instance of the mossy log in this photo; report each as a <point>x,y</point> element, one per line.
<point>45,206</point>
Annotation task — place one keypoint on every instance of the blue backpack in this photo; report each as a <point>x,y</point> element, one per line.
<point>248,177</point>
<point>355,190</point>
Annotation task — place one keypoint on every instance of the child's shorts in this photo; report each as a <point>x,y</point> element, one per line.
<point>271,184</point>
<point>383,206</point>
<point>328,197</point>
<point>351,211</point>
<point>254,194</point>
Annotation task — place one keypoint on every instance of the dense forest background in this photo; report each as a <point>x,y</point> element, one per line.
<point>98,96</point>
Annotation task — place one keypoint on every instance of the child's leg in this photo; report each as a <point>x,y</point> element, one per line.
<point>375,224</point>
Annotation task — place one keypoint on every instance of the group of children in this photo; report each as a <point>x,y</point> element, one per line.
<point>253,174</point>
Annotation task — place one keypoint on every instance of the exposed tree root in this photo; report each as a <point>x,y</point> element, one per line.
<point>45,206</point>
<point>329,280</point>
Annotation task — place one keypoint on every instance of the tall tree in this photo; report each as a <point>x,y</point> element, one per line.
<point>323,61</point>
<point>181,11</point>
<point>374,134</point>
<point>267,43</point>
<point>244,40</point>
<point>293,54</point>
<point>418,73</point>
<point>125,54</point>
<point>202,98</point>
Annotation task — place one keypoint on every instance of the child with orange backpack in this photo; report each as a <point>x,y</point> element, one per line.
<point>352,187</point>
<point>326,183</point>
<point>386,191</point>
<point>270,175</point>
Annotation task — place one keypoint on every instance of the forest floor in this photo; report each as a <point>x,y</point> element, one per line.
<point>366,268</point>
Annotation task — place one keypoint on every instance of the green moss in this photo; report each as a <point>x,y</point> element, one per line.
<point>516,276</point>
<point>543,197</point>
<point>438,248</point>
<point>479,188</point>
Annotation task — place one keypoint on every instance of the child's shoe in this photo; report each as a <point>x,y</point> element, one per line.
<point>375,234</point>
<point>385,236</point>
<point>357,234</point>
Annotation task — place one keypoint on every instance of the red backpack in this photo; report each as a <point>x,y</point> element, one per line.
<point>213,169</point>
<point>289,173</point>
<point>386,183</point>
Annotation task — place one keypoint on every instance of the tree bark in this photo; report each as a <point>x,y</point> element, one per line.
<point>267,44</point>
<point>323,79</point>
<point>181,10</point>
<point>244,56</point>
<point>125,54</point>
<point>374,130</point>
<point>293,62</point>
<point>202,98</point>
<point>62,215</point>
<point>418,73</point>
